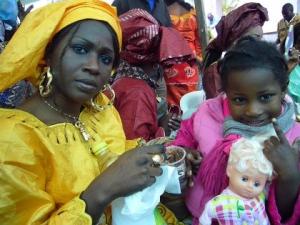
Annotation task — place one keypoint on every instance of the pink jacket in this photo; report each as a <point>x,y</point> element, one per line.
<point>201,132</point>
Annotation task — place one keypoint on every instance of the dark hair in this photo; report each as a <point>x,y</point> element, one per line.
<point>286,7</point>
<point>249,53</point>
<point>73,28</point>
<point>184,4</point>
<point>296,32</point>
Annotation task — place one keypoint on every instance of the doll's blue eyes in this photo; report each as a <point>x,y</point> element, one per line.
<point>256,184</point>
<point>245,179</point>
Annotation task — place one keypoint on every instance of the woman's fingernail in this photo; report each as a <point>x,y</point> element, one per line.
<point>189,156</point>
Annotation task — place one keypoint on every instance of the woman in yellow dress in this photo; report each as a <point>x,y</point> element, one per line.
<point>62,157</point>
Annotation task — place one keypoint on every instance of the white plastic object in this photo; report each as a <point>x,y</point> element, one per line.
<point>190,102</point>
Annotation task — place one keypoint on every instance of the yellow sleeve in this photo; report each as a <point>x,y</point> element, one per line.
<point>23,181</point>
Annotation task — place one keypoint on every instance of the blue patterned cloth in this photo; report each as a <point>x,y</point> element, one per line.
<point>15,96</point>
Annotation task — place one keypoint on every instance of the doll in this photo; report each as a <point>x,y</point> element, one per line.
<point>242,202</point>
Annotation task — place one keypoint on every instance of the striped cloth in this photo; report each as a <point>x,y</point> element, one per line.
<point>230,209</point>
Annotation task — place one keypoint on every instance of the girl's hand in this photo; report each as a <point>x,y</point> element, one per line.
<point>193,160</point>
<point>282,155</point>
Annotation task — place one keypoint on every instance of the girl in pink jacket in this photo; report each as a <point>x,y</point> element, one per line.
<point>254,78</point>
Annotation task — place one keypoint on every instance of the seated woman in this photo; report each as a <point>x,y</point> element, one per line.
<point>245,20</point>
<point>146,45</point>
<point>63,158</point>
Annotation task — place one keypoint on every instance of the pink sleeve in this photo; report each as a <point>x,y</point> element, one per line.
<point>185,137</point>
<point>274,215</point>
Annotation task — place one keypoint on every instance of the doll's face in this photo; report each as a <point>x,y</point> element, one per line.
<point>248,184</point>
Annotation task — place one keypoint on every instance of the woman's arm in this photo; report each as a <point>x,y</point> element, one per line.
<point>132,172</point>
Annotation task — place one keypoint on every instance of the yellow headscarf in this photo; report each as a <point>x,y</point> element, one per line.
<point>23,57</point>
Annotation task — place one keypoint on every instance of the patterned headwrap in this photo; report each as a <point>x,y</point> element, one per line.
<point>23,57</point>
<point>144,40</point>
<point>236,23</point>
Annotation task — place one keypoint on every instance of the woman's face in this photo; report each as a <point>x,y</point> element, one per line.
<point>254,96</point>
<point>82,61</point>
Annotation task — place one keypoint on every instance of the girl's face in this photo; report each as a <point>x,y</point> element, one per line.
<point>254,96</point>
<point>82,64</point>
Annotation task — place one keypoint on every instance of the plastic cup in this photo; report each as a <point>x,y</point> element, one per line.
<point>176,158</point>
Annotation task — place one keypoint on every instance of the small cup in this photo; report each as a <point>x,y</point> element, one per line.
<point>176,158</point>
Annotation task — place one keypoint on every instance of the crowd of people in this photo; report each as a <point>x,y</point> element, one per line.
<point>91,119</point>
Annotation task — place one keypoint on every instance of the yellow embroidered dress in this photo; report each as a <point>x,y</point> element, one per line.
<point>44,168</point>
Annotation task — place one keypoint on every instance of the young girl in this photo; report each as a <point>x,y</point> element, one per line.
<point>254,78</point>
<point>242,202</point>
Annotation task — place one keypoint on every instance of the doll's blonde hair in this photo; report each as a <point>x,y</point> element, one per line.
<point>247,153</point>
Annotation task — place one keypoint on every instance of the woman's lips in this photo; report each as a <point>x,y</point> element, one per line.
<point>86,86</point>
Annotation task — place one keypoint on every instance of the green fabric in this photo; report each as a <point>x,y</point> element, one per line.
<point>294,87</point>
<point>159,220</point>
<point>294,84</point>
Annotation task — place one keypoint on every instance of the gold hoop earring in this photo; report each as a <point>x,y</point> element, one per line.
<point>45,87</point>
<point>98,107</point>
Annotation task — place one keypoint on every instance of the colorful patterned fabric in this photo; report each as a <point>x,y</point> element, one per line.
<point>15,96</point>
<point>144,40</point>
<point>236,23</point>
<point>181,79</point>
<point>127,70</point>
<point>186,24</point>
<point>140,36</point>
<point>160,11</point>
<point>163,216</point>
<point>2,33</point>
<point>230,209</point>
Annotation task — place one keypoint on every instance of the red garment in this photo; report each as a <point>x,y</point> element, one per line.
<point>182,77</point>
<point>187,25</point>
<point>230,28</point>
<point>144,40</point>
<point>137,105</point>
<point>236,23</point>
<point>180,80</point>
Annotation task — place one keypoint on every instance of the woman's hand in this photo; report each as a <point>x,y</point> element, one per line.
<point>193,160</point>
<point>132,172</point>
